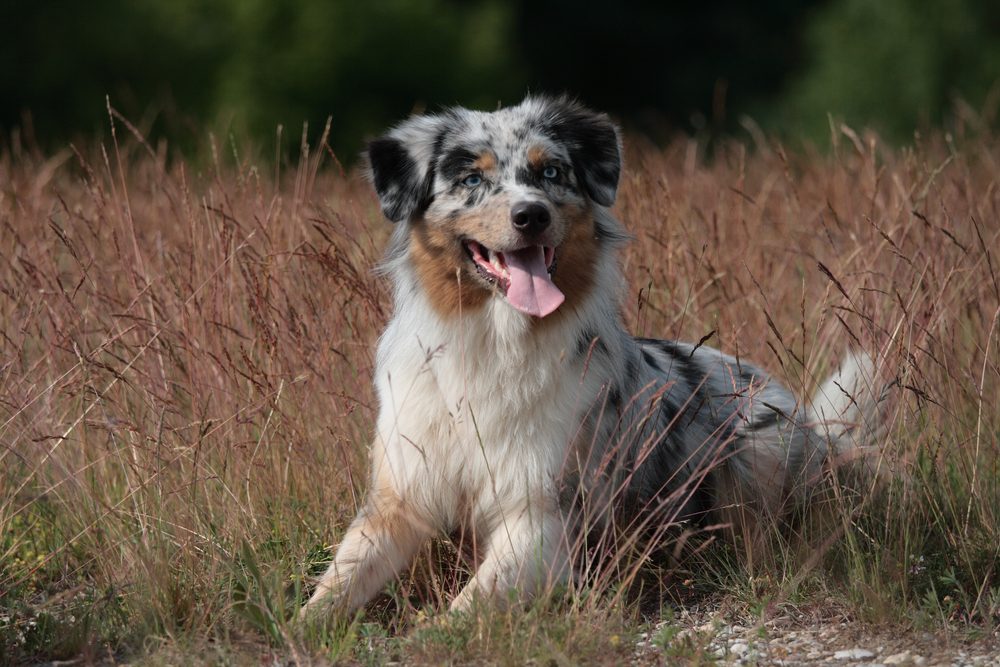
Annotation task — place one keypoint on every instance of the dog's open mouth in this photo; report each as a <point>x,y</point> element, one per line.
<point>524,275</point>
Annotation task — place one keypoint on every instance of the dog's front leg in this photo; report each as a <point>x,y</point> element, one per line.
<point>380,541</point>
<point>527,553</point>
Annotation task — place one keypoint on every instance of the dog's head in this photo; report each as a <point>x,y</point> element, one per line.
<point>501,203</point>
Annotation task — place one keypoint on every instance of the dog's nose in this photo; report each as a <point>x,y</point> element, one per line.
<point>530,217</point>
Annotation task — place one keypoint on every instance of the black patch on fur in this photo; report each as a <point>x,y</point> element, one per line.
<point>475,196</point>
<point>669,411</point>
<point>699,401</point>
<point>602,233</point>
<point>455,163</point>
<point>401,192</point>
<point>694,375</point>
<point>766,420</point>
<point>774,416</point>
<point>700,504</point>
<point>631,370</point>
<point>669,347</point>
<point>528,176</point>
<point>435,155</point>
<point>615,396</point>
<point>681,363</point>
<point>651,360</point>
<point>670,491</point>
<point>395,177</point>
<point>533,177</point>
<point>592,142</point>
<point>585,340</point>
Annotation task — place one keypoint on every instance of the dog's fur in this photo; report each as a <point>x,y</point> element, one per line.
<point>527,427</point>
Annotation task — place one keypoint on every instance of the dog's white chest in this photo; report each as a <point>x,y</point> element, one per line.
<point>480,412</point>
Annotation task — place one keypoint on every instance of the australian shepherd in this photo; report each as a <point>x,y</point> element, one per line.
<point>513,403</point>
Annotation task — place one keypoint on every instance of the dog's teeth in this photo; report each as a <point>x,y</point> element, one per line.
<point>495,261</point>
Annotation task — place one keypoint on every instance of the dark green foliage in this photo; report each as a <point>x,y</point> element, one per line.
<point>248,65</point>
<point>61,58</point>
<point>365,65</point>
<point>177,68</point>
<point>664,65</point>
<point>897,64</point>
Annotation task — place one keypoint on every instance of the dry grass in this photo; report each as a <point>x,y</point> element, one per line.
<point>185,398</point>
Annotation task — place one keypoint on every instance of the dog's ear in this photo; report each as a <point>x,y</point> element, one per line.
<point>401,165</point>
<point>594,146</point>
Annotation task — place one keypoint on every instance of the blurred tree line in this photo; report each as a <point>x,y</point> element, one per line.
<point>177,67</point>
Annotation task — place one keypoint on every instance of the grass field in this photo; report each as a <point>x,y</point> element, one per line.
<point>185,357</point>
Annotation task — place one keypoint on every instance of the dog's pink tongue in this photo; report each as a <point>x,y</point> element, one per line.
<point>531,288</point>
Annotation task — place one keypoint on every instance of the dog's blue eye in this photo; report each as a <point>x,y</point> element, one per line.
<point>472,180</point>
<point>550,173</point>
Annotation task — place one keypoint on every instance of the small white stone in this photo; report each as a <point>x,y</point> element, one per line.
<point>853,654</point>
<point>738,649</point>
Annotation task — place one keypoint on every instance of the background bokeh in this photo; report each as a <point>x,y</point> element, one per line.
<point>180,67</point>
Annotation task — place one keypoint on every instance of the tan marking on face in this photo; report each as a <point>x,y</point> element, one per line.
<point>443,270</point>
<point>576,261</point>
<point>487,161</point>
<point>537,156</point>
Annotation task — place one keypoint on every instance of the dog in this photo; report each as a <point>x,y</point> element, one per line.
<point>513,403</point>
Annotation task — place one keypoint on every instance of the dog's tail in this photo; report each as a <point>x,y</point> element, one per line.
<point>847,410</point>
